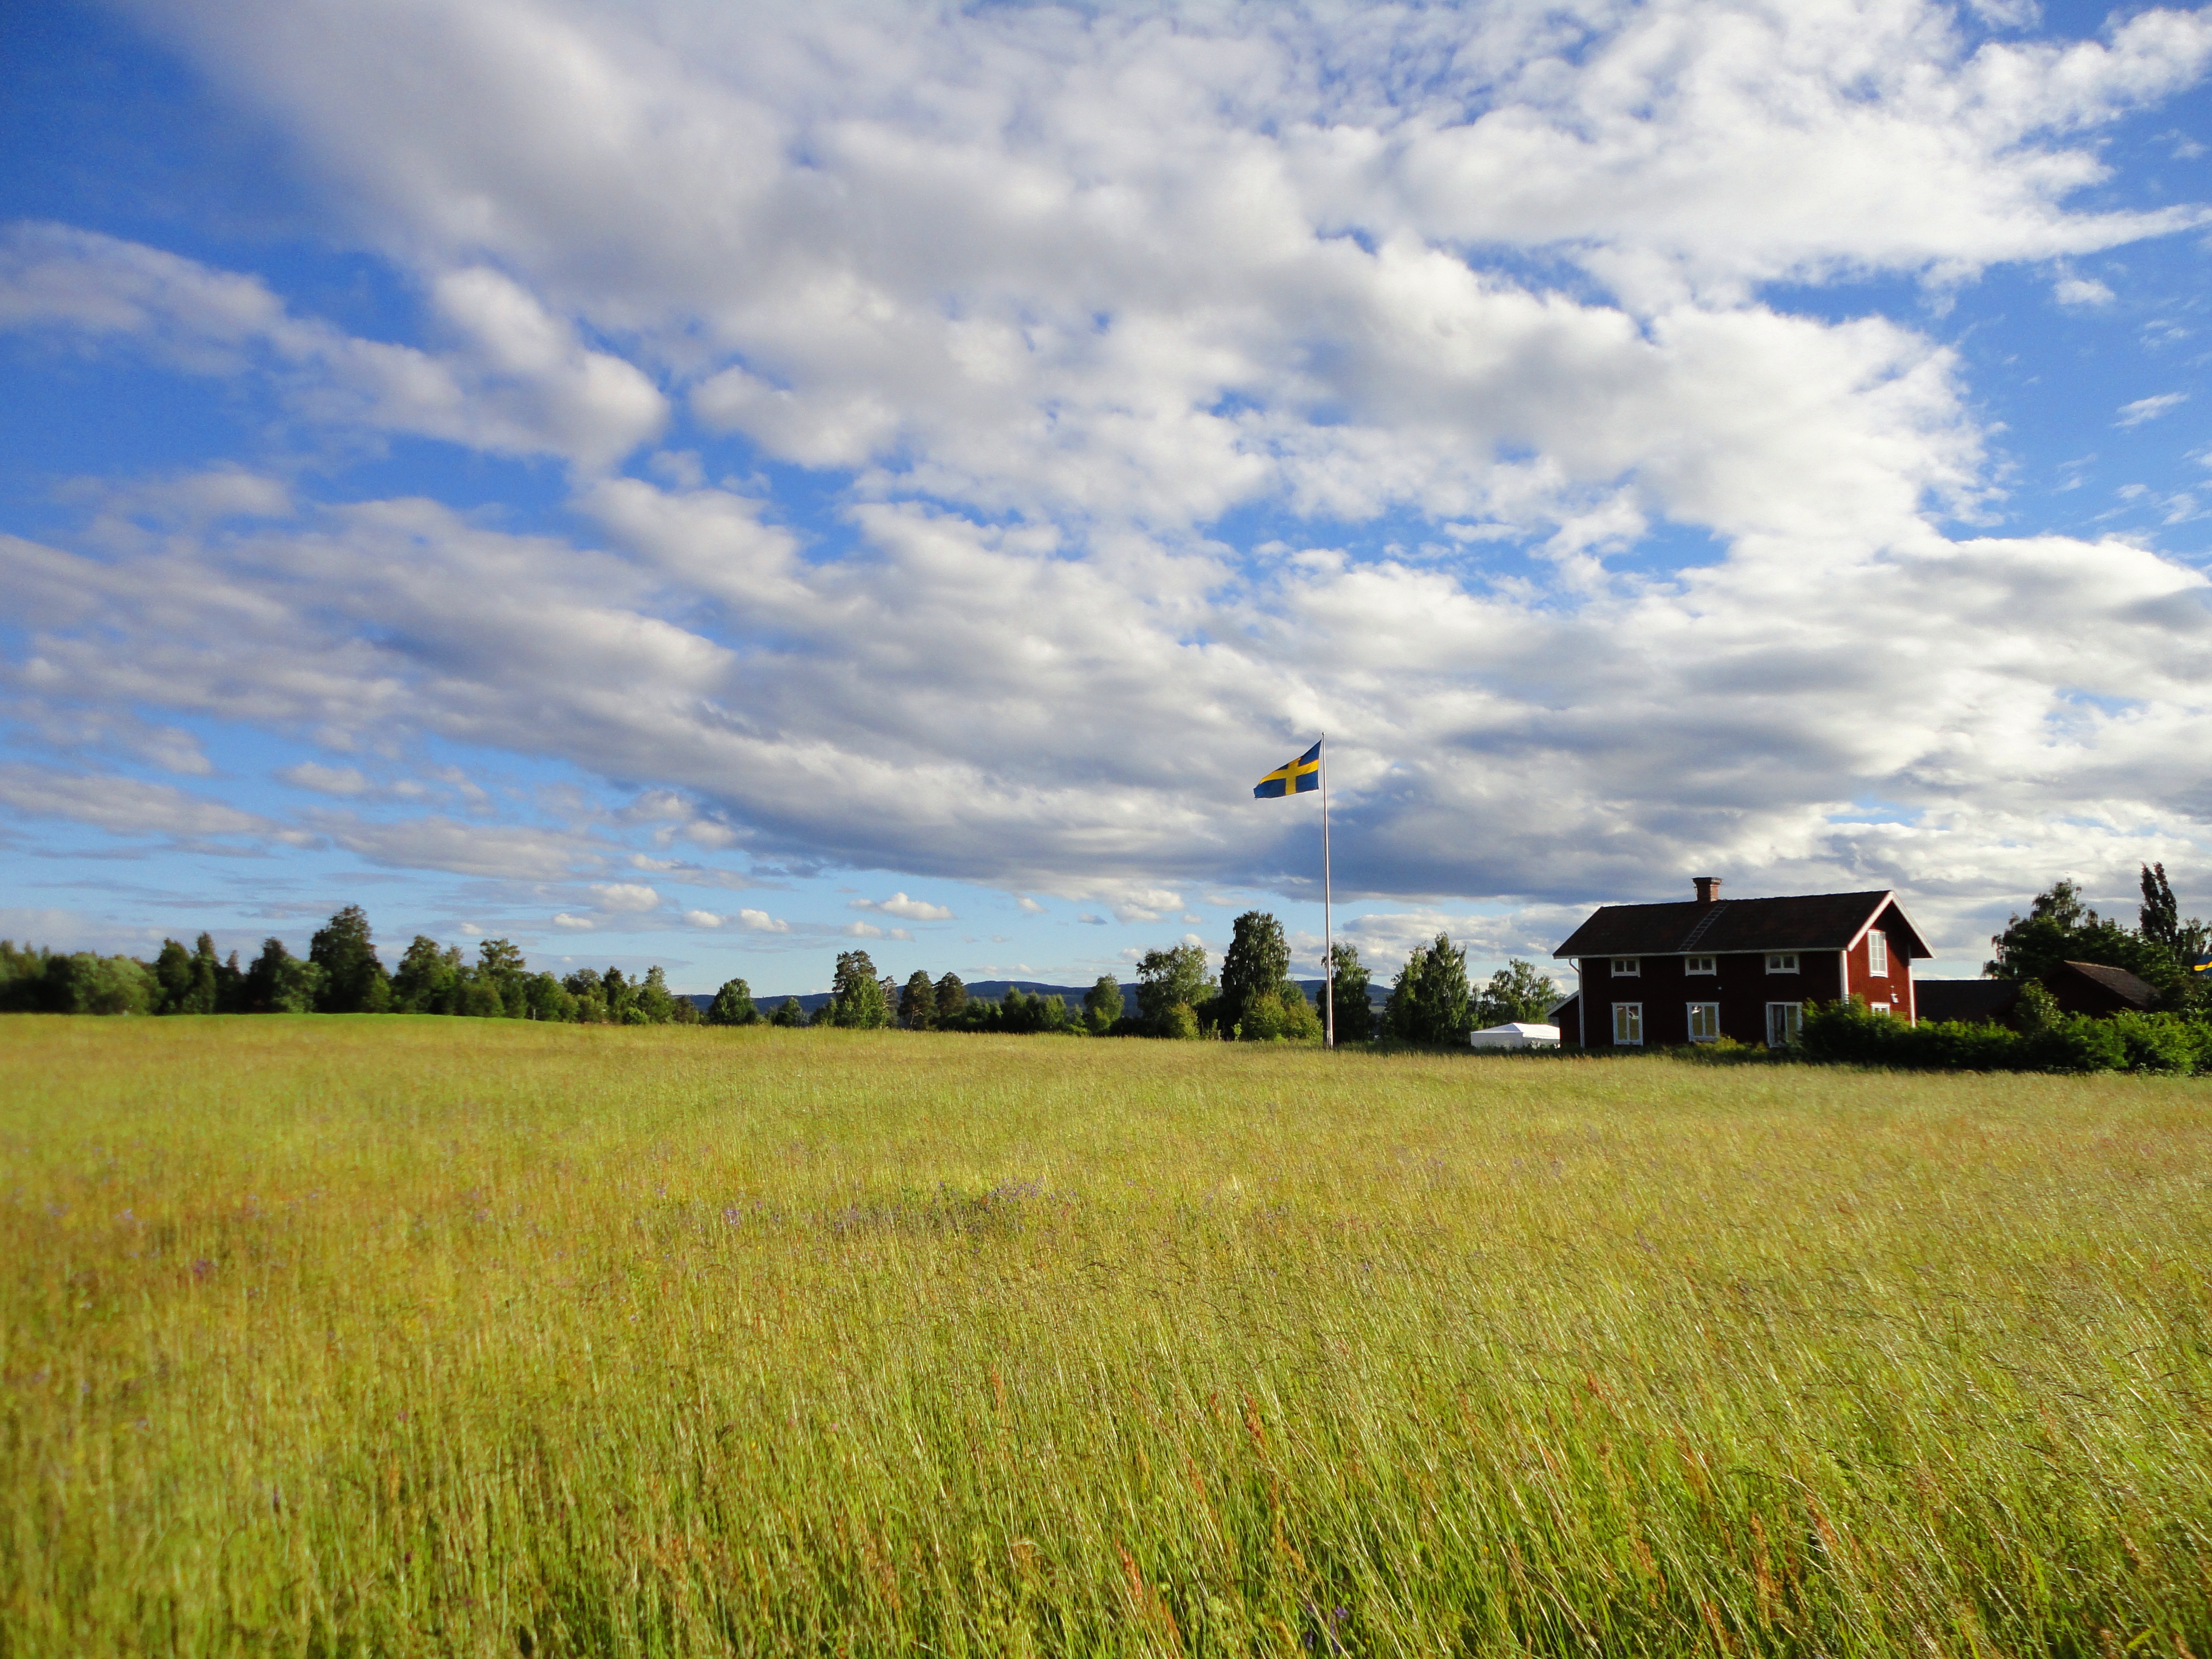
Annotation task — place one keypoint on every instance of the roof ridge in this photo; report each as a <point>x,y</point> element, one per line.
<point>1712,914</point>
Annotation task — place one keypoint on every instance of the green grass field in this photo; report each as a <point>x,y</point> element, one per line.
<point>421,1336</point>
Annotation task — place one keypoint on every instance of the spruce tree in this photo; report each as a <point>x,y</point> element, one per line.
<point>353,980</point>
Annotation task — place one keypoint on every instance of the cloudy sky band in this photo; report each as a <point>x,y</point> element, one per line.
<point>937,460</point>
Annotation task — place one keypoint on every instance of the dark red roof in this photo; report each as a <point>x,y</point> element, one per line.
<point>2135,991</point>
<point>1810,921</point>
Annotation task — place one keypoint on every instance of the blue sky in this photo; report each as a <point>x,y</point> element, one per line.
<point>662,489</point>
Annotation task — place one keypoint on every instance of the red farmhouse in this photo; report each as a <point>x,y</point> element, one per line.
<point>1650,975</point>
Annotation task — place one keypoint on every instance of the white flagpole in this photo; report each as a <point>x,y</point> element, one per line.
<point>1328,924</point>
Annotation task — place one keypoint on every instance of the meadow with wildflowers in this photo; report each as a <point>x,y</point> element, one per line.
<point>407,1336</point>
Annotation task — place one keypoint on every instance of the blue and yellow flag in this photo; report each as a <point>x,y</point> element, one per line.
<point>1291,778</point>
<point>2201,965</point>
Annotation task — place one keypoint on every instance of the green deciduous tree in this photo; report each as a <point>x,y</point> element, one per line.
<point>1516,991</point>
<point>1257,963</point>
<point>279,982</point>
<point>2059,928</point>
<point>951,999</point>
<point>1280,1015</point>
<point>856,995</point>
<point>172,979</point>
<point>733,1005</point>
<point>1103,1004</point>
<point>622,998</point>
<point>353,980</point>
<point>788,1013</point>
<point>917,1003</point>
<point>500,966</point>
<point>1024,1014</point>
<point>218,987</point>
<point>1258,1000</point>
<point>590,996</point>
<point>654,1003</point>
<point>546,998</point>
<point>2183,942</point>
<point>1169,980</point>
<point>428,978</point>
<point>42,982</point>
<point>1355,1015</point>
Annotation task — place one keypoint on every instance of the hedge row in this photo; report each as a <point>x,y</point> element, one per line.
<point>1847,1033</point>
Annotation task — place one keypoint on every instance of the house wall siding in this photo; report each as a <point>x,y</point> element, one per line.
<point>1741,985</point>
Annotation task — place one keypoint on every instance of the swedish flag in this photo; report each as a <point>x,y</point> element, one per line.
<point>1296,777</point>
<point>2201,965</point>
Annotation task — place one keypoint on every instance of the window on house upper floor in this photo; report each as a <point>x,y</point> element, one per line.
<point>1699,965</point>
<point>1627,966</point>
<point>1781,962</point>
<point>1878,955</point>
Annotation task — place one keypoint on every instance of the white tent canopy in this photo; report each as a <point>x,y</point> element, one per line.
<point>1515,1034</point>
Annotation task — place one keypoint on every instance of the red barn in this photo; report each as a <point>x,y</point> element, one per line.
<point>1648,975</point>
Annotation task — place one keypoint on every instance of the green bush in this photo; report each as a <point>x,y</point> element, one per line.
<point>41,981</point>
<point>2163,1042</point>
<point>2075,1043</point>
<point>1849,1034</point>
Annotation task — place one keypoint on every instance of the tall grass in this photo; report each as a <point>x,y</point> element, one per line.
<point>394,1336</point>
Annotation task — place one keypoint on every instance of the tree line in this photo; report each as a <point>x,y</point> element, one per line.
<point>341,974</point>
<point>1253,998</point>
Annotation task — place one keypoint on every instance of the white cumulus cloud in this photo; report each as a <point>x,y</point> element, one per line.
<point>625,895</point>
<point>907,909</point>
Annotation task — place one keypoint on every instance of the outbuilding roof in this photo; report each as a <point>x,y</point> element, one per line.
<point>1938,1000</point>
<point>2118,981</point>
<point>1807,921</point>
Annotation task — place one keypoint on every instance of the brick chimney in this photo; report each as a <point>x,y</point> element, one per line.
<point>1709,888</point>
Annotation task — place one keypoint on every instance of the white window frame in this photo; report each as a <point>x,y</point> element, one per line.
<point>1877,954</point>
<point>1628,967</point>
<point>1782,962</point>
<point>1628,1025</point>
<point>1792,1021</point>
<point>1707,1014</point>
<point>1701,964</point>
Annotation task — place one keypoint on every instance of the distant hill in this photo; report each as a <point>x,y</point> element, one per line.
<point>994,990</point>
